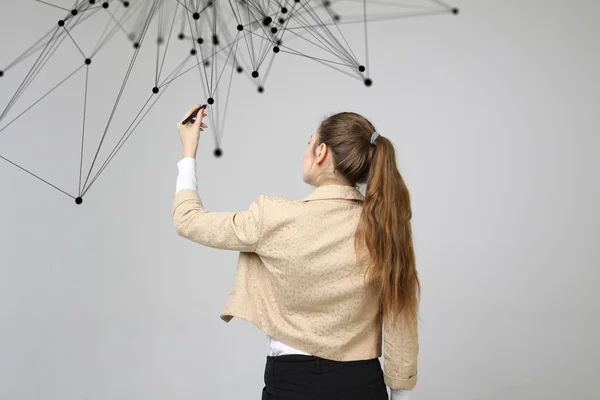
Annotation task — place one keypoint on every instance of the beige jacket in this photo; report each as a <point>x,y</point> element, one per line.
<point>297,279</point>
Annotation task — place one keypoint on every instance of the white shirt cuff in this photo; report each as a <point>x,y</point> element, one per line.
<point>399,394</point>
<point>186,179</point>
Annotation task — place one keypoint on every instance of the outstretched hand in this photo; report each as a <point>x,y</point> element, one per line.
<point>190,132</point>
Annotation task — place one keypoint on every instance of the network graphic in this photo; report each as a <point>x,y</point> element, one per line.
<point>166,41</point>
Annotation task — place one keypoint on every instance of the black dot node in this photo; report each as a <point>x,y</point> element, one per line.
<point>78,200</point>
<point>327,3</point>
<point>240,27</point>
<point>136,45</point>
<point>1,74</point>
<point>105,5</point>
<point>154,90</point>
<point>273,30</point>
<point>73,12</point>
<point>368,82</point>
<point>281,21</point>
<point>192,51</point>
<point>239,69</point>
<point>297,1</point>
<point>200,40</point>
<point>218,152</point>
<point>125,4</point>
<point>278,41</point>
<point>276,49</point>
<point>283,10</point>
<point>88,61</point>
<point>210,100</point>
<point>455,11</point>
<point>210,3</point>
<point>206,63</point>
<point>336,17</point>
<point>267,21</point>
<point>261,89</point>
<point>196,15</point>
<point>255,74</point>
<point>180,36</point>
<point>215,39</point>
<point>92,1</point>
<point>361,68</point>
<point>61,23</point>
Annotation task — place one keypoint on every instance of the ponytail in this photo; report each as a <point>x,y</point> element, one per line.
<point>385,228</point>
<point>384,224</point>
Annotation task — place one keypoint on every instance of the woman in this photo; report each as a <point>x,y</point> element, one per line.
<point>322,276</point>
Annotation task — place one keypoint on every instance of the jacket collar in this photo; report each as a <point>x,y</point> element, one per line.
<point>335,192</point>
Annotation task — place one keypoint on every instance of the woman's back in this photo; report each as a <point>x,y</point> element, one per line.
<point>324,273</point>
<point>297,276</point>
<point>308,251</point>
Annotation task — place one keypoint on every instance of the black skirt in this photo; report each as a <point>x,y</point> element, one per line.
<point>303,377</point>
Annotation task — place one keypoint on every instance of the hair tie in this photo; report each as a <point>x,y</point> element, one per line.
<point>374,137</point>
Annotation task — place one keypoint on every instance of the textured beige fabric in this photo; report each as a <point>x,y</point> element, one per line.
<point>297,279</point>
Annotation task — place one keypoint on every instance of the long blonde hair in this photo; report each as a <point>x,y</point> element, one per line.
<point>384,226</point>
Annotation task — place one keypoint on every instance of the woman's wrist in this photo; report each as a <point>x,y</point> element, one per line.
<point>189,153</point>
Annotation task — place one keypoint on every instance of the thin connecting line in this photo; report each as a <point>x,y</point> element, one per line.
<point>194,66</point>
<point>194,39</point>
<point>167,44</point>
<point>117,148</point>
<point>281,32</point>
<point>40,43</point>
<point>128,133</point>
<point>332,37</point>
<point>256,11</point>
<point>184,6</point>
<point>41,98</point>
<point>158,37</point>
<point>366,37</point>
<point>28,77</point>
<point>285,29</point>
<point>118,23</point>
<point>341,34</point>
<point>228,55</point>
<point>75,43</point>
<point>238,20</point>
<point>53,5</point>
<point>446,6</point>
<point>378,18</point>
<point>395,4</point>
<point>321,25</point>
<point>319,61</point>
<point>213,65</point>
<point>124,139</point>
<point>212,116</point>
<point>228,92</point>
<point>34,175</point>
<point>253,62</point>
<point>265,45</point>
<point>122,88</point>
<point>306,55</point>
<point>31,50</point>
<point>87,71</point>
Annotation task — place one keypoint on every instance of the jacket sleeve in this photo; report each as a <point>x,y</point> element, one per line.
<point>240,231</point>
<point>400,351</point>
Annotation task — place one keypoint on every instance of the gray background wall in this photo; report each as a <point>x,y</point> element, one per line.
<point>495,118</point>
